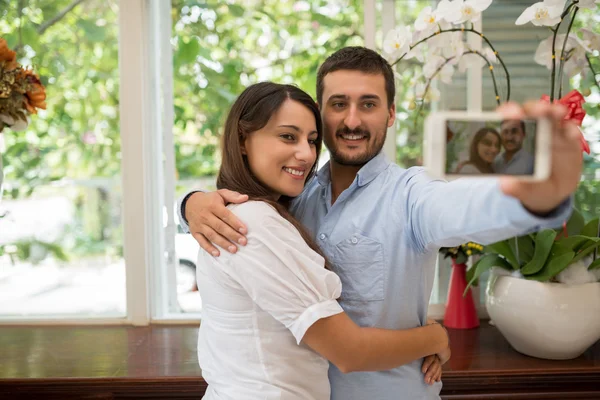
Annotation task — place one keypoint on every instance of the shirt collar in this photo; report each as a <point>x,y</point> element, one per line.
<point>366,174</point>
<point>515,157</point>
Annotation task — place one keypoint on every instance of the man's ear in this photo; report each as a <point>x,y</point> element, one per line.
<point>392,115</point>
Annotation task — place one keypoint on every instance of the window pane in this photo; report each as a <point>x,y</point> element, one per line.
<point>221,49</point>
<point>61,249</point>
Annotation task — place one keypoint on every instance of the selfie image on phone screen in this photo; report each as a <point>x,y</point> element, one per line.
<point>490,147</point>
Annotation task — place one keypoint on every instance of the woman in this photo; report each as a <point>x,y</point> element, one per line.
<point>270,319</point>
<point>485,146</point>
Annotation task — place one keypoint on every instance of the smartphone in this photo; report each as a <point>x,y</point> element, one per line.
<point>465,144</point>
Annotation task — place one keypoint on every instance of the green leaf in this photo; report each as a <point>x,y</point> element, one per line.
<point>525,248</point>
<point>587,249</point>
<point>595,264</point>
<point>470,274</point>
<point>485,263</point>
<point>591,228</point>
<point>553,267</point>
<point>575,223</point>
<point>236,10</point>
<point>543,245</point>
<point>503,248</point>
<point>187,51</point>
<point>573,242</point>
<point>205,53</point>
<point>92,31</point>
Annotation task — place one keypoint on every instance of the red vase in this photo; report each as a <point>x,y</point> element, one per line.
<point>460,310</point>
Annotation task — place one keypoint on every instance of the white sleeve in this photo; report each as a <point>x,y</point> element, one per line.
<point>280,272</point>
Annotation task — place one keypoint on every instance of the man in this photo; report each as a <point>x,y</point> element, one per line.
<point>515,160</point>
<point>381,226</point>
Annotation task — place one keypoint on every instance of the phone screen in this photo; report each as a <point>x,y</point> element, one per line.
<point>490,147</point>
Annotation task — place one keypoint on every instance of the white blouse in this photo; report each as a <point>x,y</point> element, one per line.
<point>257,305</point>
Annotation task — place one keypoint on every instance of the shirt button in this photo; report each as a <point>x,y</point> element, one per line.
<point>354,240</point>
<point>322,236</point>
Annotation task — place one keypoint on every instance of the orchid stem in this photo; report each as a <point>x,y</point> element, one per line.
<point>437,71</point>
<point>555,30</point>
<point>562,54</point>
<point>553,66</point>
<point>465,30</point>
<point>587,57</point>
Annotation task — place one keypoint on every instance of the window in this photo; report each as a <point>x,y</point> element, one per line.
<point>61,237</point>
<point>218,50</point>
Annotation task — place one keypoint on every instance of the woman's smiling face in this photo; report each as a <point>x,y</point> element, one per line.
<point>488,147</point>
<point>283,152</point>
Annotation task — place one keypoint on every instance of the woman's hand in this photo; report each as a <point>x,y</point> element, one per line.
<point>432,368</point>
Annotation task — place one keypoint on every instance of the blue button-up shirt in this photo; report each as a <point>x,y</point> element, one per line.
<point>521,163</point>
<point>382,236</point>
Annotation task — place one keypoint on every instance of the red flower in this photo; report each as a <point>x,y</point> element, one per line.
<point>575,112</point>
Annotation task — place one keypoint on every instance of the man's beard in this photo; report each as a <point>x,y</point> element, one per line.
<point>515,146</point>
<point>360,159</point>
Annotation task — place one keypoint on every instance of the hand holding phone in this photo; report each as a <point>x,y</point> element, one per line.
<point>461,144</point>
<point>558,158</point>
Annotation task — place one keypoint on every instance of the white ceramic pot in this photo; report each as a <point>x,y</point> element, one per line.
<point>545,320</point>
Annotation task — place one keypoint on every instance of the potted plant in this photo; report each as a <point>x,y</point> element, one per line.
<point>544,289</point>
<point>537,296</point>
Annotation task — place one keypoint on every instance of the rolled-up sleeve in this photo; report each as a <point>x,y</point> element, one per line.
<point>443,214</point>
<point>281,273</point>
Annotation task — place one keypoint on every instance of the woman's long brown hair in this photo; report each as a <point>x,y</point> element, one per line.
<point>249,113</point>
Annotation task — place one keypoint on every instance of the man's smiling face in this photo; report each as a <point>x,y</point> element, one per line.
<point>355,115</point>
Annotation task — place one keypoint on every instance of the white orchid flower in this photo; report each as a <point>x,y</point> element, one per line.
<point>490,55</point>
<point>397,41</point>
<point>590,39</point>
<point>460,11</point>
<point>543,13</point>
<point>427,21</point>
<point>575,65</point>
<point>433,94</point>
<point>588,4</point>
<point>452,46</point>
<point>556,3</point>
<point>432,64</point>
<point>470,60</point>
<point>448,11</point>
<point>446,73</point>
<point>575,46</point>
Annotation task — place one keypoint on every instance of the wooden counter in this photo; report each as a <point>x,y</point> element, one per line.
<point>159,362</point>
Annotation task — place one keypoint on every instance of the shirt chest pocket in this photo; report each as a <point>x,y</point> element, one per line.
<point>359,263</point>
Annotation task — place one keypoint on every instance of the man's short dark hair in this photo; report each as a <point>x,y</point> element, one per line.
<point>357,59</point>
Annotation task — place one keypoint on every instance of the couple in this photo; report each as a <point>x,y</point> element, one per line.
<point>484,152</point>
<point>339,267</point>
